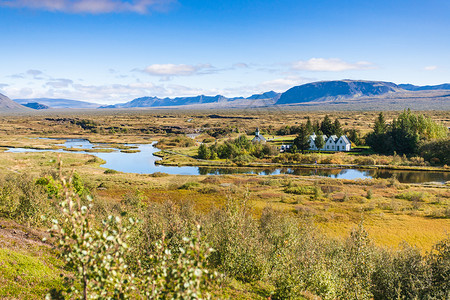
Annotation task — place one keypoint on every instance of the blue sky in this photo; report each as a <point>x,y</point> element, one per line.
<point>111,51</point>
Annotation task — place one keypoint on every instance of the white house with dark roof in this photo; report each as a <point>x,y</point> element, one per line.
<point>343,144</point>
<point>312,141</point>
<point>258,137</point>
<point>332,143</point>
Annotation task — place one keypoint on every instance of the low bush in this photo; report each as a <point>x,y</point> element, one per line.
<point>413,196</point>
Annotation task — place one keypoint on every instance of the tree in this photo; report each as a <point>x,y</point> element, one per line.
<point>204,152</point>
<point>380,124</point>
<point>379,140</point>
<point>302,139</point>
<point>337,128</point>
<point>353,135</point>
<point>326,126</point>
<point>309,126</point>
<point>319,141</point>
<point>316,126</point>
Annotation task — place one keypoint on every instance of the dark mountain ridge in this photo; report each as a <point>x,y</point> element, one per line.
<point>37,106</point>
<point>195,100</point>
<point>336,90</point>
<point>411,87</point>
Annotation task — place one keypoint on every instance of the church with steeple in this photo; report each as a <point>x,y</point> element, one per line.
<point>258,137</point>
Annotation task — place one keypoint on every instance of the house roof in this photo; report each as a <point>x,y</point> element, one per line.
<point>313,137</point>
<point>333,138</point>
<point>345,139</point>
<point>259,138</point>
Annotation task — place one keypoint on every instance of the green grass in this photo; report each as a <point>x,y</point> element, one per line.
<point>26,275</point>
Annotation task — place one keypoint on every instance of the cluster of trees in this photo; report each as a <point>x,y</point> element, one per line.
<point>327,127</point>
<point>238,149</point>
<point>405,134</point>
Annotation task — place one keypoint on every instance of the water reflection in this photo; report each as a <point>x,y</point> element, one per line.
<point>143,162</point>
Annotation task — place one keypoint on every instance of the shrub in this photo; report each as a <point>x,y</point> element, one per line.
<point>189,185</point>
<point>110,171</point>
<point>413,196</point>
<point>365,161</point>
<point>300,190</point>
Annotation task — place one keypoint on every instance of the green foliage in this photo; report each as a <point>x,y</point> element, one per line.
<point>302,139</point>
<point>235,237</point>
<point>26,275</point>
<point>413,196</point>
<point>319,141</point>
<point>439,261</point>
<point>327,126</point>
<point>402,274</point>
<point>404,134</point>
<point>22,200</point>
<point>110,171</point>
<point>189,185</point>
<point>204,152</point>
<point>359,266</point>
<point>354,136</point>
<point>240,150</point>
<point>176,141</point>
<point>95,255</point>
<point>437,152</point>
<point>300,190</point>
<point>180,275</point>
<point>51,187</point>
<point>98,257</point>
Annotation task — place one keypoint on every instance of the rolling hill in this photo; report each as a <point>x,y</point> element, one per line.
<point>59,103</point>
<point>8,105</point>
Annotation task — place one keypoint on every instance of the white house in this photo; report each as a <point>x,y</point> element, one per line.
<point>332,143</point>
<point>312,142</point>
<point>343,144</point>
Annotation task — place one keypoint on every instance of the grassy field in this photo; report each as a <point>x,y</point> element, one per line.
<point>391,212</point>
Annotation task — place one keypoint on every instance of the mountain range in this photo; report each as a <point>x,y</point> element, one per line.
<point>195,100</point>
<point>347,93</point>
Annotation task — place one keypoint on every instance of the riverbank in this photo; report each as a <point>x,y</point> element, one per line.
<point>172,158</point>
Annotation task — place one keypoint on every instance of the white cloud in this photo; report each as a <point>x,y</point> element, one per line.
<point>330,65</point>
<point>168,70</point>
<point>283,84</point>
<point>36,74</point>
<point>91,6</point>
<point>430,68</point>
<point>60,83</point>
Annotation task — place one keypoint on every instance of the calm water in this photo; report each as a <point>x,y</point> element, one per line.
<point>143,162</point>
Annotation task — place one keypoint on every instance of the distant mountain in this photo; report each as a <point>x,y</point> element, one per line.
<point>37,106</point>
<point>181,101</point>
<point>59,103</point>
<point>410,87</point>
<point>7,104</point>
<point>335,91</point>
<point>267,95</point>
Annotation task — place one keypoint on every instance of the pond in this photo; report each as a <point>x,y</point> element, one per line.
<point>143,162</point>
